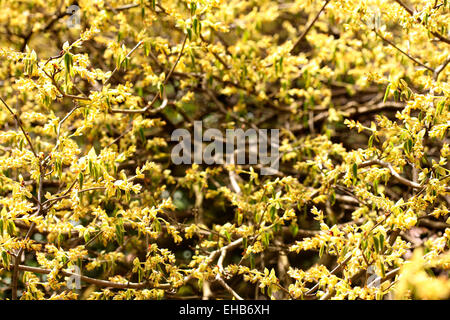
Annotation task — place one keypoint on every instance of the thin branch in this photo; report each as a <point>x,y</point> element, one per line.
<point>311,24</point>
<point>155,98</point>
<point>440,69</point>
<point>352,109</point>
<point>221,280</point>
<point>120,64</point>
<point>403,52</point>
<point>408,9</point>
<point>411,13</point>
<point>216,55</point>
<point>388,276</point>
<point>66,195</point>
<point>98,282</point>
<point>336,269</point>
<point>64,94</point>
<point>394,173</point>
<point>15,275</point>
<point>19,123</point>
<point>58,130</point>
<point>16,266</point>
<point>126,7</point>
<point>50,201</point>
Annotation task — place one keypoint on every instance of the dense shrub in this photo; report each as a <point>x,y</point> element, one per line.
<point>90,98</point>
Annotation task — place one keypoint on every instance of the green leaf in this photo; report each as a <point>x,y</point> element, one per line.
<point>80,180</point>
<point>322,249</point>
<point>119,234</point>
<point>60,239</point>
<point>240,216</point>
<point>156,225</point>
<point>396,95</point>
<point>381,242</point>
<point>266,239</point>
<point>86,237</point>
<point>269,291</point>
<point>193,7</point>
<point>252,260</point>
<point>161,89</point>
<point>363,245</point>
<point>386,94</point>
<point>11,227</point>
<point>189,33</point>
<point>407,146</point>
<point>5,259</point>
<point>68,62</point>
<point>332,197</point>
<point>195,25</point>
<point>227,234</point>
<point>344,252</point>
<point>142,135</point>
<point>147,48</point>
<point>375,186</point>
<point>294,229</point>
<point>370,143</point>
<point>355,170</point>
<point>440,107</point>
<point>377,244</point>
<point>272,212</point>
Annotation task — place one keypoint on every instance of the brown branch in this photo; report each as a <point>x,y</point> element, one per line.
<point>352,109</point>
<point>394,173</point>
<point>64,94</point>
<point>403,52</point>
<point>15,273</point>
<point>215,54</point>
<point>155,98</point>
<point>66,195</point>
<point>58,130</point>
<point>120,64</point>
<point>433,224</point>
<point>335,270</point>
<point>98,282</point>
<point>17,259</point>
<point>50,201</point>
<point>441,68</point>
<point>310,25</point>
<point>411,13</point>
<point>388,276</point>
<point>19,123</point>
<point>221,280</point>
<point>26,38</point>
